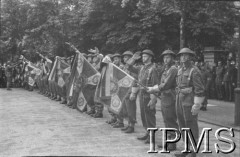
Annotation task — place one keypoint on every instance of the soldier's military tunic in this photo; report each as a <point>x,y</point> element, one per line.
<point>189,85</point>
<point>129,106</point>
<point>97,104</point>
<point>147,76</point>
<point>168,97</point>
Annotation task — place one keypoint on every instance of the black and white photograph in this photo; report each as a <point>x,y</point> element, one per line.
<point>120,78</point>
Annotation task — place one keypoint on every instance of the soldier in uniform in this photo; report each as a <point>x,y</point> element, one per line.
<point>219,80</point>
<point>97,59</point>
<point>94,60</point>
<point>89,58</point>
<point>8,72</point>
<point>190,95</point>
<point>148,77</point>
<point>168,94</point>
<point>227,80</point>
<point>128,106</point>
<point>119,122</point>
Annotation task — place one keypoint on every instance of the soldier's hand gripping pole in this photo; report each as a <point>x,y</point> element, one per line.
<point>145,88</point>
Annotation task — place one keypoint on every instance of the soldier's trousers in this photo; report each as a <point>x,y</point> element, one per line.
<point>9,79</point>
<point>186,119</point>
<point>148,115</point>
<point>64,91</point>
<point>228,90</point>
<point>169,114</point>
<point>219,90</point>
<point>129,110</point>
<point>99,107</point>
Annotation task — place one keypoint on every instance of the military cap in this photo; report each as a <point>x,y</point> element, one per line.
<point>127,53</point>
<point>147,51</point>
<point>186,51</point>
<point>167,52</point>
<point>116,55</point>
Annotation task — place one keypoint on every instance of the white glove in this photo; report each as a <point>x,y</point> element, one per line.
<point>153,89</point>
<point>153,101</point>
<point>132,96</point>
<point>195,109</point>
<point>197,105</point>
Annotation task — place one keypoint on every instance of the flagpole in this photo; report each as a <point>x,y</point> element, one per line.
<point>145,88</point>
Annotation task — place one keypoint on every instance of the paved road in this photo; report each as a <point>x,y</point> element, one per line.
<point>31,124</point>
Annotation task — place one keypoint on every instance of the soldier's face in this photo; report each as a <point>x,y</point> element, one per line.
<point>146,58</point>
<point>184,58</point>
<point>116,60</point>
<point>95,59</point>
<point>89,59</point>
<point>167,59</point>
<point>126,58</point>
<point>219,63</point>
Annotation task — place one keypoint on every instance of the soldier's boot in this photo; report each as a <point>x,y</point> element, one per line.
<point>119,124</point>
<point>126,127</point>
<point>69,103</point>
<point>58,98</point>
<point>130,129</point>
<point>64,101</point>
<point>144,137</point>
<point>55,97</point>
<point>50,96</point>
<point>147,141</point>
<point>99,111</point>
<point>45,93</point>
<point>111,121</point>
<point>98,115</point>
<point>91,112</point>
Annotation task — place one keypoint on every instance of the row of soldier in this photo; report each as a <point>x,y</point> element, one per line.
<point>181,91</point>
<point>10,75</point>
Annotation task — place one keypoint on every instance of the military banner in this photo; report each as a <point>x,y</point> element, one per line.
<point>84,79</point>
<point>33,73</point>
<point>114,86</point>
<point>63,71</point>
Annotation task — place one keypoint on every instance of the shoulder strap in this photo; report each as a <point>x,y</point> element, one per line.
<point>189,76</point>
<point>150,71</point>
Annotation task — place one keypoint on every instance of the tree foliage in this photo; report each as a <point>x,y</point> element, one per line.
<point>112,25</point>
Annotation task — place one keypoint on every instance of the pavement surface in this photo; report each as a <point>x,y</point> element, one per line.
<point>33,125</point>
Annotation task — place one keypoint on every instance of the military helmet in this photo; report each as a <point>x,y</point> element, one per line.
<point>147,51</point>
<point>127,53</point>
<point>116,55</point>
<point>186,51</point>
<point>168,52</point>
